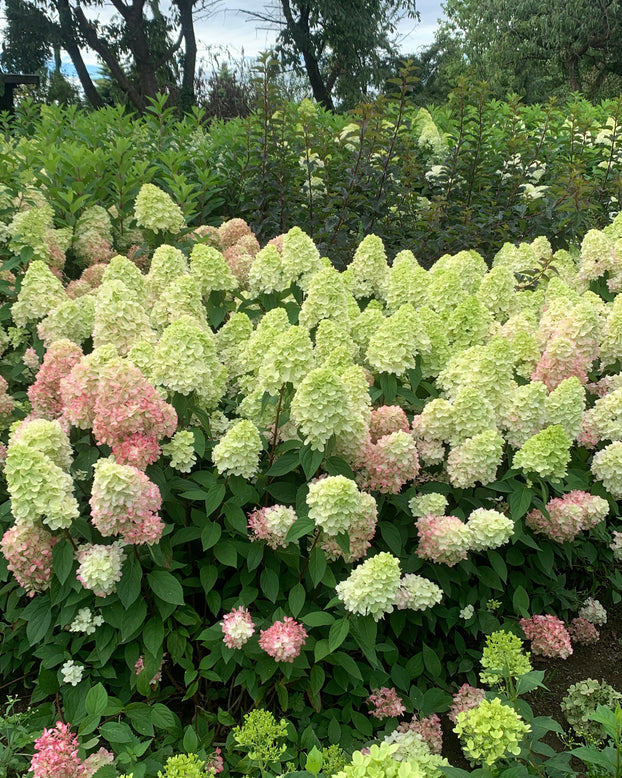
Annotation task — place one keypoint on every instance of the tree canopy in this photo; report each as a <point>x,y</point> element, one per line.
<point>538,47</point>
<point>342,47</point>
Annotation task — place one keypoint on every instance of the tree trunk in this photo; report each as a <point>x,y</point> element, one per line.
<point>71,47</point>
<point>187,95</point>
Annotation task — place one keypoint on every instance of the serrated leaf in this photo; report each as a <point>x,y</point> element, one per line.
<point>520,601</point>
<point>296,599</point>
<point>96,700</point>
<point>338,633</point>
<point>310,460</point>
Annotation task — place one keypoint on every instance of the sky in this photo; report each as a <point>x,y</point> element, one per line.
<point>227,29</point>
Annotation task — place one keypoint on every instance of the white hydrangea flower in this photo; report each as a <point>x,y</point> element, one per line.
<point>72,672</point>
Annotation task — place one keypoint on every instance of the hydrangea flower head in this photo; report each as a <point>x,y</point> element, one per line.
<point>115,303</point>
<point>28,551</point>
<point>333,503</point>
<point>167,264</point>
<point>99,567</point>
<point>238,451</point>
<point>431,503</point>
<point>583,631</point>
<point>211,270</point>
<point>45,393</point>
<point>326,298</point>
<point>475,460</point>
<point>155,210</point>
<point>417,593</point>
<point>271,524</point>
<point>568,515</point>
<point>394,347</point>
<point>547,453</point>
<point>548,636</point>
<point>489,529</point>
<point>369,267</point>
<point>372,586</point>
<point>607,467</point>
<point>464,699</point>
<point>56,754</point>
<point>289,360</point>
<point>237,627</point>
<point>124,502</point>
<point>503,657</point>
<point>40,292</point>
<point>183,766</point>
<point>593,611</point>
<point>72,672</point>
<point>70,320</point>
<point>390,463</point>
<point>386,703</point>
<point>443,539</point>
<point>490,731</point>
<point>284,640</point>
<point>181,451</point>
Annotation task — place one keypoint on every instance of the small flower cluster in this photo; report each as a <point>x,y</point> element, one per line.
<point>490,731</point>
<point>99,567</point>
<point>72,672</point>
<point>464,699</point>
<point>386,703</point>
<point>237,627</point>
<point>271,524</point>
<point>503,657</point>
<point>372,586</point>
<point>566,516</point>
<point>429,728</point>
<point>548,636</point>
<point>284,640</point>
<point>86,621</point>
<point>593,611</point>
<point>583,631</point>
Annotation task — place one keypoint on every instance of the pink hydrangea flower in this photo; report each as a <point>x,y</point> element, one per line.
<point>568,515</point>
<point>444,539</point>
<point>56,754</point>
<point>583,631</point>
<point>385,420</point>
<point>390,463</point>
<point>45,394</point>
<point>284,640</point>
<point>28,551</point>
<point>271,524</point>
<point>137,450</point>
<point>464,699</point>
<point>548,636</point>
<point>139,666</point>
<point>237,627</point>
<point>215,764</point>
<point>430,730</point>
<point>386,703</point>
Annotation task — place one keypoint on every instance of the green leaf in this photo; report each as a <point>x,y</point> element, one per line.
<point>391,536</point>
<point>210,535</point>
<point>96,700</point>
<point>297,596</point>
<point>520,501</point>
<point>302,526</point>
<point>338,633</point>
<point>314,761</point>
<point>269,584</point>
<point>226,554</point>
<point>116,732</point>
<point>62,559</point>
<point>128,587</point>
<point>317,565</point>
<point>529,681</point>
<point>214,498</point>
<point>285,463</point>
<point>166,587</point>
<point>163,718</point>
<point>338,466</point>
<point>489,578</point>
<point>38,619</point>
<point>498,565</point>
<point>364,630</point>
<point>310,461</point>
<point>431,661</point>
<point>153,635</point>
<point>317,619</point>
<point>520,601</point>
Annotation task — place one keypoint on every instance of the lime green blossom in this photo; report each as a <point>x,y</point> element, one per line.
<point>183,766</point>
<point>611,338</point>
<point>366,324</point>
<point>300,256</point>
<point>496,292</point>
<point>167,264</point>
<point>490,732</point>
<point>435,356</point>
<point>181,451</point>
<point>471,414</point>
<point>468,324</point>
<point>289,360</point>
<point>524,414</point>
<point>605,418</point>
<point>503,657</point>
<point>565,405</point>
<point>327,298</point>
<point>114,303</point>
<point>435,422</point>
<point>405,282</point>
<point>333,759</point>
<point>142,355</point>
<point>607,467</point>
<point>71,320</point>
<point>209,267</point>
<point>547,453</point>
<point>239,450</point>
<point>331,335</point>
<point>334,503</point>
<point>40,292</point>
<point>267,273</point>
<point>92,238</point>
<point>372,586</point>
<point>45,436</point>
<point>468,265</point>
<point>396,343</point>
<point>186,361</point>
<point>182,297</point>
<point>380,763</point>
<point>433,503</point>
<point>444,291</point>
<point>121,269</point>
<point>475,460</point>
<point>321,407</point>
<point>488,529</point>
<point>34,228</point>
<point>155,210</point>
<point>262,339</point>
<point>259,735</point>
<point>369,267</point>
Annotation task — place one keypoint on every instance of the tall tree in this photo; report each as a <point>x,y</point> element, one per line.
<point>343,47</point>
<point>538,47</point>
<point>144,50</point>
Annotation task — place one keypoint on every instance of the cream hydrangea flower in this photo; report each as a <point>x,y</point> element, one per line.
<point>238,452</point>
<point>372,586</point>
<point>547,453</point>
<point>155,210</point>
